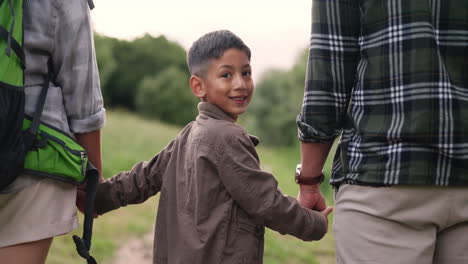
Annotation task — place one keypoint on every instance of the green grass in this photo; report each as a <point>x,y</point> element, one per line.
<point>128,139</point>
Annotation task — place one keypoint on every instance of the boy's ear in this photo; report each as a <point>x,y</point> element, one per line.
<point>198,89</point>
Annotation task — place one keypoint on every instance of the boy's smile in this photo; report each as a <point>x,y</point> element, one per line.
<point>228,83</point>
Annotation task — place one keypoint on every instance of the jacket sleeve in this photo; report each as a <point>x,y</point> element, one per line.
<point>144,180</point>
<point>257,193</point>
<point>331,70</point>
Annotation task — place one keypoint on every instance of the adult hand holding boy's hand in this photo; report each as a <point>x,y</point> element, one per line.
<point>311,197</point>
<point>80,199</point>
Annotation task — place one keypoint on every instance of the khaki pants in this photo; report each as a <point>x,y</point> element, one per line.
<point>401,224</point>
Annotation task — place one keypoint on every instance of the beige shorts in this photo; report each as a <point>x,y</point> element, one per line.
<point>43,210</point>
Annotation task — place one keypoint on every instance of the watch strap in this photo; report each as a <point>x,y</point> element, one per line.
<point>310,180</point>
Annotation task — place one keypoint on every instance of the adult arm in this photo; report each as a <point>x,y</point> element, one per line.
<point>313,156</point>
<point>74,69</point>
<point>331,70</point>
<point>91,142</point>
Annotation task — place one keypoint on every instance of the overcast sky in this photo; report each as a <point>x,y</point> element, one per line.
<point>276,31</point>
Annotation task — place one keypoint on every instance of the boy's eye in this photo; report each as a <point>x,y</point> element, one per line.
<point>246,73</point>
<point>226,75</point>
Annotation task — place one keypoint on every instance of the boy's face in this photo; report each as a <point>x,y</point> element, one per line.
<point>228,83</point>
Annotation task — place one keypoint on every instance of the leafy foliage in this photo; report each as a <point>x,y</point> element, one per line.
<point>131,61</point>
<point>105,60</point>
<point>168,97</point>
<point>276,103</point>
<point>148,75</point>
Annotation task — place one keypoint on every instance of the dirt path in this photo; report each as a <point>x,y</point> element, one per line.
<point>140,251</point>
<point>136,251</point>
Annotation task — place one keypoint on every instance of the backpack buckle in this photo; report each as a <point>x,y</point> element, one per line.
<point>31,142</point>
<point>40,143</point>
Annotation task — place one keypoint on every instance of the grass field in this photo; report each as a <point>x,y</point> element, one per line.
<point>128,139</point>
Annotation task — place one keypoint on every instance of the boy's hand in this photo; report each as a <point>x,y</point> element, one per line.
<point>81,199</point>
<point>325,214</point>
<point>311,197</point>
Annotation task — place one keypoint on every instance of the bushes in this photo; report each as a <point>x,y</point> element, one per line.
<point>167,97</point>
<point>148,75</point>
<point>276,103</point>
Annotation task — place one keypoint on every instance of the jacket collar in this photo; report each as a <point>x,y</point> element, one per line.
<point>212,111</point>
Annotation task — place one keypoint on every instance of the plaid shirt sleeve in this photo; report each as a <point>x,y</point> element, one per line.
<point>76,67</point>
<point>333,59</point>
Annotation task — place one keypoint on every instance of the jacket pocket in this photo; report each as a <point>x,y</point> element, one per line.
<point>246,240</point>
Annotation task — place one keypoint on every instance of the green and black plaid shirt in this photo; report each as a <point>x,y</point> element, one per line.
<point>390,77</point>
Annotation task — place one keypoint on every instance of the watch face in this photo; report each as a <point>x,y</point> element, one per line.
<point>298,172</point>
<point>307,181</point>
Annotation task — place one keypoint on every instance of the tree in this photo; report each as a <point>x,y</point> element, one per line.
<point>105,60</point>
<point>276,103</point>
<point>145,56</point>
<point>167,97</point>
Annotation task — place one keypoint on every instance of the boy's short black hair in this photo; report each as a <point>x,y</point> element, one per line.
<point>212,46</point>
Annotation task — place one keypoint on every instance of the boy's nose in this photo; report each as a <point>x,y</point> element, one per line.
<point>239,83</point>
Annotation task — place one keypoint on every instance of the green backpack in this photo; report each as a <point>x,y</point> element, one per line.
<point>27,144</point>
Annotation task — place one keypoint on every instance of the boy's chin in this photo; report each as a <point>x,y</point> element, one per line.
<point>238,114</point>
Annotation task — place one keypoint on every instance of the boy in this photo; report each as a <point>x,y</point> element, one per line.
<point>215,199</point>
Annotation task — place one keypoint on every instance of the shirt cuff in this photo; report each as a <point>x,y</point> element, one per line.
<point>89,124</point>
<point>319,228</point>
<point>103,202</point>
<point>308,133</point>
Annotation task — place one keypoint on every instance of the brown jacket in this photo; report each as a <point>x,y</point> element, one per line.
<point>215,200</point>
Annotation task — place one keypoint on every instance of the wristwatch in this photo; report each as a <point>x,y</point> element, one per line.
<point>309,180</point>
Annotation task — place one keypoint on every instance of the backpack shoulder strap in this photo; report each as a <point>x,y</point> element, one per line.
<point>30,135</point>
<point>7,35</point>
<point>13,44</point>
